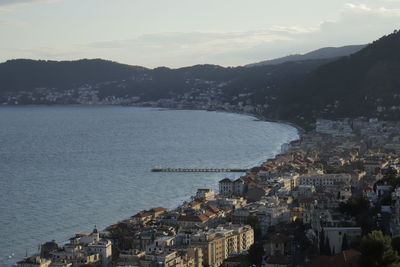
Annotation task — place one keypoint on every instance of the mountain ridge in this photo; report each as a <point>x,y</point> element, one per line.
<point>321,53</point>
<point>297,91</point>
<point>366,83</point>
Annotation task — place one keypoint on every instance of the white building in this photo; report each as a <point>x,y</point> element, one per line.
<point>395,221</point>
<point>326,180</point>
<point>229,188</point>
<point>336,235</point>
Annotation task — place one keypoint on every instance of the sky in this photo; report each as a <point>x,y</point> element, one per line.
<point>177,33</point>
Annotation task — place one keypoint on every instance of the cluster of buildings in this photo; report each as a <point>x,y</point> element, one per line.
<point>197,233</point>
<point>203,95</point>
<point>290,206</point>
<point>83,249</point>
<point>83,95</point>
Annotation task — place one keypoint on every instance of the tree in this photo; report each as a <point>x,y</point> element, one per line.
<point>377,251</point>
<point>396,244</point>
<point>256,252</point>
<point>254,222</point>
<point>389,173</point>
<point>359,208</point>
<point>345,245</point>
<point>328,250</point>
<point>322,242</point>
<point>354,206</point>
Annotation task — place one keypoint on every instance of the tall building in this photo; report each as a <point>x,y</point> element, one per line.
<point>218,244</point>
<point>229,188</point>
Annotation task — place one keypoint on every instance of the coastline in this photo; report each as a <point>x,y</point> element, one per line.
<point>257,116</point>
<point>260,118</point>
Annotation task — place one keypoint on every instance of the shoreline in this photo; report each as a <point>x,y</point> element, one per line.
<point>254,115</point>
<point>299,130</point>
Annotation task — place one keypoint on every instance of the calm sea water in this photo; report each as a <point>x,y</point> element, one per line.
<point>65,169</point>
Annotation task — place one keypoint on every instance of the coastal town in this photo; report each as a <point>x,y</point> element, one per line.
<point>315,204</point>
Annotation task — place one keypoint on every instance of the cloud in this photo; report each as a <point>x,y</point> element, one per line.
<point>364,9</point>
<point>293,29</point>
<point>360,22</point>
<point>357,24</point>
<point>192,40</point>
<point>9,5</point>
<point>20,2</point>
<point>189,47</point>
<point>236,48</point>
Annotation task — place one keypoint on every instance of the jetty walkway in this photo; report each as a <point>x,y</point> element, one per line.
<point>197,170</point>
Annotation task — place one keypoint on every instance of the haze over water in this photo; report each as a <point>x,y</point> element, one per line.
<point>64,169</point>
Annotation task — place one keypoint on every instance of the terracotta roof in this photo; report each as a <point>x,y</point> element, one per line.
<point>213,208</point>
<point>194,203</point>
<point>193,218</point>
<point>246,179</point>
<point>209,214</point>
<point>158,209</point>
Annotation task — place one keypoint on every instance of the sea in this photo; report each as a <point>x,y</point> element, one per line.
<point>66,169</point>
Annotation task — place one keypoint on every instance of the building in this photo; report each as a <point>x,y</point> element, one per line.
<point>218,244</point>
<point>277,244</point>
<point>336,236</point>
<point>205,194</point>
<point>271,215</point>
<point>34,261</point>
<point>142,217</point>
<point>157,211</point>
<point>256,193</point>
<point>325,180</point>
<point>104,248</point>
<point>303,191</point>
<point>229,188</point>
<point>84,248</point>
<point>46,248</point>
<point>192,220</point>
<point>395,220</point>
<point>239,260</point>
<point>336,128</point>
<point>167,258</point>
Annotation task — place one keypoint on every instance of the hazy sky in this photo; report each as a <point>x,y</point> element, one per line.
<point>178,33</point>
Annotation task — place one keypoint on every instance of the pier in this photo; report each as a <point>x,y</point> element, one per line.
<point>198,170</point>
